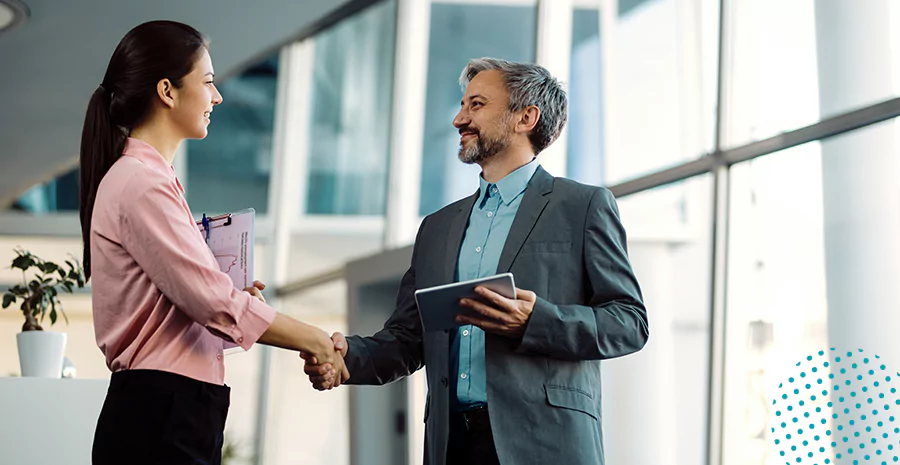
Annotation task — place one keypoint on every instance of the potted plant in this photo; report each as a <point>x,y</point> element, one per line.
<point>41,352</point>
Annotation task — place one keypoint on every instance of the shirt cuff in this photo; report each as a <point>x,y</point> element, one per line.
<point>255,321</point>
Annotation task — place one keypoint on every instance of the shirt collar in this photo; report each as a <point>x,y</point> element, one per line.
<point>151,157</point>
<point>512,184</point>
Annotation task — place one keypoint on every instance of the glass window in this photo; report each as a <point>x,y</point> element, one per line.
<point>229,170</point>
<point>59,195</point>
<point>660,107</point>
<point>797,62</point>
<point>585,143</point>
<point>351,114</point>
<point>814,263</point>
<point>660,395</point>
<point>459,33</point>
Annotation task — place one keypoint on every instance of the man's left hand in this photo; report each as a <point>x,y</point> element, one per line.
<point>500,315</point>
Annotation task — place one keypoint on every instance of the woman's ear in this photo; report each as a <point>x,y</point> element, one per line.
<point>165,91</point>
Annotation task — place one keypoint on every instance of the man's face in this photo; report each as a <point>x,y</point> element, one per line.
<point>484,119</point>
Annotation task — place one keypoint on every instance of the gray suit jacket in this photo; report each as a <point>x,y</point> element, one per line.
<point>568,246</point>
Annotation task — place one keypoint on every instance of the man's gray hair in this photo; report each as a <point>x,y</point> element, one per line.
<point>527,85</point>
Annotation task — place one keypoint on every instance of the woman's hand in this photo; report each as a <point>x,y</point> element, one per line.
<point>256,290</point>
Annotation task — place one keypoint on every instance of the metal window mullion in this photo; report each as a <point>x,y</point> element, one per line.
<point>287,184</point>
<point>408,122</point>
<point>719,263</point>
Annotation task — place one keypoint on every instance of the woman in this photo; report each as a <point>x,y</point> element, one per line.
<point>163,312</point>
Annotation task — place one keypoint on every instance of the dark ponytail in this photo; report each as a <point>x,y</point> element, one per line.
<point>101,145</point>
<point>146,55</point>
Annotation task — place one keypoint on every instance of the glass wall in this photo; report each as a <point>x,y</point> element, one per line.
<point>814,260</point>
<point>351,114</point>
<point>660,395</point>
<point>661,99</point>
<point>797,62</point>
<point>460,32</point>
<point>584,157</point>
<point>58,195</point>
<point>229,170</point>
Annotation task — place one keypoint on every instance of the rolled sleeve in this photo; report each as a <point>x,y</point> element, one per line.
<point>159,233</point>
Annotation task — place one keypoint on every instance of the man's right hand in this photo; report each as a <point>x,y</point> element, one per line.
<point>319,373</point>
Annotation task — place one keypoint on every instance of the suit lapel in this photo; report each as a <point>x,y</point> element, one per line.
<point>455,232</point>
<point>533,204</point>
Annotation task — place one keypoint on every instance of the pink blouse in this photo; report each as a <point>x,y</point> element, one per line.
<point>159,299</point>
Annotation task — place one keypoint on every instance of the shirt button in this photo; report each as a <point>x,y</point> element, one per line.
<point>494,190</point>
<point>463,376</point>
<point>465,332</point>
<point>478,249</point>
<point>490,214</point>
<point>444,381</point>
<point>219,356</point>
<point>240,340</point>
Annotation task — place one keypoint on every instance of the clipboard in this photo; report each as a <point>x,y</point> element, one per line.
<point>230,238</point>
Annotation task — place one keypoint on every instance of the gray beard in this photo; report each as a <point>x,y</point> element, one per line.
<point>482,150</point>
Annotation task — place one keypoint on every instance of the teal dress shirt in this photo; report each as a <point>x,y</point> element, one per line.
<point>489,224</point>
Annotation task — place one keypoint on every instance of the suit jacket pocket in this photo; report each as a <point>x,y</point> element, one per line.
<point>547,247</point>
<point>571,398</point>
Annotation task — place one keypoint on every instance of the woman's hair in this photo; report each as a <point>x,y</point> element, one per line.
<point>149,53</point>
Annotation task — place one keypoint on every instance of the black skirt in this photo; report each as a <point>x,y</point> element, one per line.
<point>157,417</point>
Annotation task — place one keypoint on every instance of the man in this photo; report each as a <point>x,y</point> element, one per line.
<point>519,383</point>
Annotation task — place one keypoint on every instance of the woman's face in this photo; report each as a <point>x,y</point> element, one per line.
<point>196,98</point>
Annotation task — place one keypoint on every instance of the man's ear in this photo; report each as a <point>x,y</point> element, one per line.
<point>528,119</point>
<point>166,92</point>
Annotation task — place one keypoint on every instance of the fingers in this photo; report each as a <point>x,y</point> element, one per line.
<point>487,311</point>
<point>309,358</point>
<point>489,326</point>
<point>336,380</point>
<point>340,343</point>
<point>254,291</point>
<point>318,370</point>
<point>259,285</point>
<point>526,295</point>
<point>496,300</point>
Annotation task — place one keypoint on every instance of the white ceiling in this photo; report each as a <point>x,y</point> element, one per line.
<point>50,65</point>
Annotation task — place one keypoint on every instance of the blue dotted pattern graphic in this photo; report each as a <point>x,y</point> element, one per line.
<point>838,405</point>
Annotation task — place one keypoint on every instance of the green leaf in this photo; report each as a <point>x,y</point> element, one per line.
<point>68,286</point>
<point>8,299</point>
<point>62,273</point>
<point>53,317</point>
<point>49,267</point>
<point>64,314</point>
<point>19,290</point>
<point>34,285</point>
<point>23,262</point>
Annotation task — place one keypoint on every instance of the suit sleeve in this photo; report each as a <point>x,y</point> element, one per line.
<point>615,321</point>
<point>397,350</point>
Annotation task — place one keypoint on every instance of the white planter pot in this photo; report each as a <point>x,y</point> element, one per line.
<point>41,353</point>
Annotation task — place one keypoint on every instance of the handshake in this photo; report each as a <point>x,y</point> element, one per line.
<point>324,376</point>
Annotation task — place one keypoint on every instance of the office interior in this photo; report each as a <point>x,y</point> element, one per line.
<point>753,147</point>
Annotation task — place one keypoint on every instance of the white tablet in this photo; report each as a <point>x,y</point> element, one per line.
<point>439,305</point>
